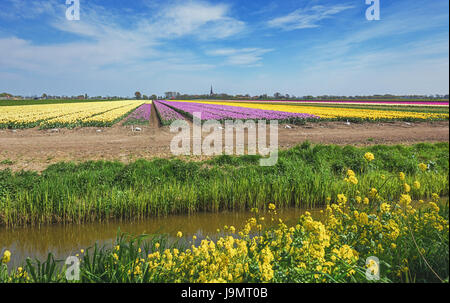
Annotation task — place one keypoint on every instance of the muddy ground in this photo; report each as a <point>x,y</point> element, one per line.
<point>34,149</point>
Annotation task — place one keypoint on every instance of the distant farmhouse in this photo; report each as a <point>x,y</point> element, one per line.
<point>6,96</point>
<point>171,95</point>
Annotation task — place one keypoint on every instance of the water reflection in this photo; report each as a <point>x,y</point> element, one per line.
<point>66,240</point>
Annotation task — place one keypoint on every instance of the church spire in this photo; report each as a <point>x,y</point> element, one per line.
<point>211,93</point>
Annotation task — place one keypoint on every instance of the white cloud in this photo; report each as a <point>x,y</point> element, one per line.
<point>244,56</point>
<point>106,42</point>
<point>199,19</point>
<point>307,18</point>
<point>107,52</point>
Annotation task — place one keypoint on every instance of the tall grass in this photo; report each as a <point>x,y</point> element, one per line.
<point>305,176</point>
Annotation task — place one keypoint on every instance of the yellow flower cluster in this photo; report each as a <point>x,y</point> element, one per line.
<point>423,166</point>
<point>314,251</point>
<point>6,256</point>
<point>252,256</point>
<point>351,177</point>
<point>369,156</point>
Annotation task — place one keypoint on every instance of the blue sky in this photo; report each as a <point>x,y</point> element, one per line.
<point>296,47</point>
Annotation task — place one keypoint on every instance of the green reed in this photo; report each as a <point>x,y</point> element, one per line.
<point>304,176</point>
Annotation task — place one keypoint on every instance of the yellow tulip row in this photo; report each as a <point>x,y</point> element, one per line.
<point>112,116</point>
<point>333,113</point>
<point>63,114</point>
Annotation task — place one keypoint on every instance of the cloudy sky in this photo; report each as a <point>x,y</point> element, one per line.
<point>299,47</point>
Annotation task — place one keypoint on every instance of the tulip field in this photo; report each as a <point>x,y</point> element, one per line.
<point>223,112</point>
<point>66,114</point>
<point>107,113</point>
<point>286,112</point>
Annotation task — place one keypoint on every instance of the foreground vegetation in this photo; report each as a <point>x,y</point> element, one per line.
<point>305,176</point>
<point>411,244</point>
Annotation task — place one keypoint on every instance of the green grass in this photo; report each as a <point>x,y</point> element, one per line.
<point>304,176</point>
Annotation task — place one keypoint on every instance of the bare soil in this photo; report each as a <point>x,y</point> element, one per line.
<point>34,149</point>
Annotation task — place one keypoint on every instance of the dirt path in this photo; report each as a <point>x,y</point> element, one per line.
<point>154,121</point>
<point>34,149</point>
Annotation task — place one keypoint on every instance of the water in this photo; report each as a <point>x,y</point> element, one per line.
<point>67,240</point>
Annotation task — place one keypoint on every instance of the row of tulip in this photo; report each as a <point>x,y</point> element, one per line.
<point>65,114</point>
<point>215,111</point>
<point>166,114</point>
<point>275,111</point>
<point>140,116</point>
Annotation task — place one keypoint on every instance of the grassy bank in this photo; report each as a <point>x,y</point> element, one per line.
<point>411,244</point>
<point>304,176</point>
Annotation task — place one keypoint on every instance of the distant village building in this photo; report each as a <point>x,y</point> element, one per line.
<point>6,96</point>
<point>172,95</point>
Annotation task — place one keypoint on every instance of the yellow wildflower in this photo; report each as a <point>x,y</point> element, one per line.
<point>353,180</point>
<point>342,198</point>
<point>423,166</point>
<point>406,187</point>
<point>369,156</point>
<point>405,199</point>
<point>6,256</point>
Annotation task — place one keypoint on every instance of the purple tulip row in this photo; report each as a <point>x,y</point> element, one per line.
<point>224,112</point>
<point>141,114</point>
<point>167,114</point>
